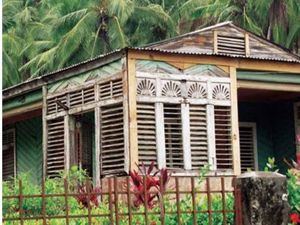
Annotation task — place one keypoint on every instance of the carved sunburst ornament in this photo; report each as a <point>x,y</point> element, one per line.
<point>197,91</point>
<point>171,89</point>
<point>146,87</point>
<point>221,92</point>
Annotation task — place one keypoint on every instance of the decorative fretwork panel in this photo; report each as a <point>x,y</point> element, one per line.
<point>171,89</point>
<point>112,139</point>
<point>221,91</point>
<point>173,136</point>
<point>146,133</point>
<point>197,90</point>
<point>247,146</point>
<point>8,154</point>
<point>223,137</point>
<point>198,136</point>
<point>55,162</point>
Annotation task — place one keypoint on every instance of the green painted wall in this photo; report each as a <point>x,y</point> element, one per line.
<point>275,130</point>
<point>29,148</point>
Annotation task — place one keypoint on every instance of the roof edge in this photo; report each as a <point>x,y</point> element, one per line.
<point>38,82</point>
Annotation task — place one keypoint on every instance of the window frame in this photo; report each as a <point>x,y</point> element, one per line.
<point>13,130</point>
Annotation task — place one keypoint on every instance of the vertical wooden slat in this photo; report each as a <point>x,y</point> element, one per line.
<point>145,199</point>
<point>131,91</point>
<point>160,135</point>
<point>97,164</point>
<point>66,193</point>
<point>129,200</point>
<point>126,103</point>
<point>21,202</point>
<point>186,142</point>
<point>43,204</point>
<point>88,190</point>
<point>211,142</point>
<point>247,45</point>
<point>116,200</point>
<point>235,123</point>
<point>67,142</point>
<point>215,41</point>
<point>194,201</point>
<point>223,200</point>
<point>208,201</point>
<point>45,132</point>
<point>177,200</point>
<point>161,202</point>
<point>110,204</point>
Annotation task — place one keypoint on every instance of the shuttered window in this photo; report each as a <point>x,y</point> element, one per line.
<point>146,133</point>
<point>198,133</point>
<point>8,154</point>
<point>187,117</point>
<point>223,137</point>
<point>173,136</point>
<point>248,146</point>
<point>112,139</point>
<point>55,147</point>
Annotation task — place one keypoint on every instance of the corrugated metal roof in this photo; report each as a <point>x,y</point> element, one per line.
<point>212,54</point>
<point>187,51</point>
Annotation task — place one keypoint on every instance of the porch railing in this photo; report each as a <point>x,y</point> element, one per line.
<point>185,199</point>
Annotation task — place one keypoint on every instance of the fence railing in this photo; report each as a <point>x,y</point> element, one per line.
<point>214,200</point>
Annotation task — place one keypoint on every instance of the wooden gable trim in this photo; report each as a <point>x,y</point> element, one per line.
<point>239,63</point>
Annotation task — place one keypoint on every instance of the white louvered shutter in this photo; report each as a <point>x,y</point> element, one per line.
<point>223,137</point>
<point>247,146</point>
<point>112,139</point>
<point>8,154</point>
<point>55,147</point>
<point>173,136</point>
<point>198,136</point>
<point>146,133</point>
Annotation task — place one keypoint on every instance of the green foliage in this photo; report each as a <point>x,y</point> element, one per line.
<point>293,186</point>
<point>271,166</point>
<point>42,36</point>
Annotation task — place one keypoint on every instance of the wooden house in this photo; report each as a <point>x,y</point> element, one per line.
<point>220,95</point>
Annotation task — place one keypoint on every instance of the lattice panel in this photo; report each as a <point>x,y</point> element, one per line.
<point>8,154</point>
<point>112,139</point>
<point>111,89</point>
<point>231,45</point>
<point>198,136</point>
<point>146,87</point>
<point>55,147</point>
<point>173,136</point>
<point>146,133</point>
<point>247,148</point>
<point>223,137</point>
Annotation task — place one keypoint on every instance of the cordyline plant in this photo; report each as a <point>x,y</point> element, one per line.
<point>148,184</point>
<point>88,195</point>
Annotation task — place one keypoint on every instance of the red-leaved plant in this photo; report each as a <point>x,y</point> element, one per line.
<point>88,195</point>
<point>148,184</point>
<point>295,218</point>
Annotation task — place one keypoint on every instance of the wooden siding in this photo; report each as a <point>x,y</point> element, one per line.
<point>29,148</point>
<point>231,41</point>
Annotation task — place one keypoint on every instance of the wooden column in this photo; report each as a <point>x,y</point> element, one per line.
<point>126,116</point>
<point>45,132</point>
<point>96,162</point>
<point>132,114</point>
<point>67,142</point>
<point>185,120</point>
<point>235,123</point>
<point>160,135</point>
<point>211,137</point>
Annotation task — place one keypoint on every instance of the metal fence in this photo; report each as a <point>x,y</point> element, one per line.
<point>118,192</point>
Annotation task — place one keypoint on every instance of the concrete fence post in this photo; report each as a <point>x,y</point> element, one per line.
<point>264,198</point>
